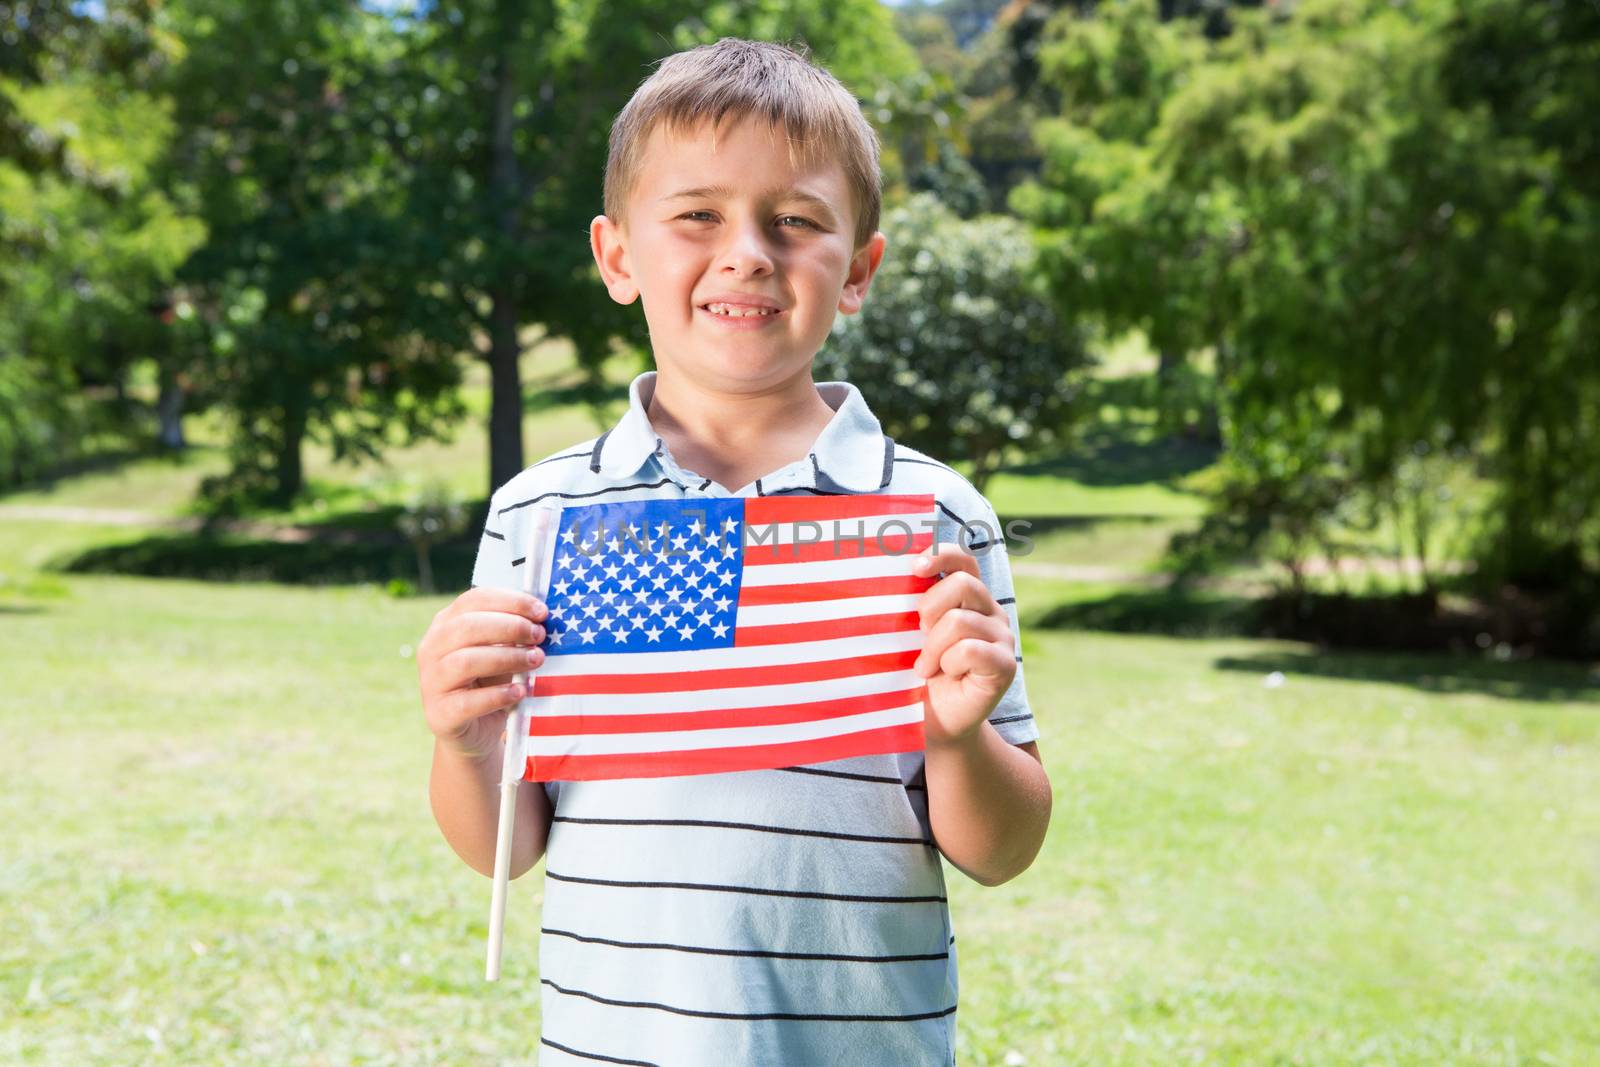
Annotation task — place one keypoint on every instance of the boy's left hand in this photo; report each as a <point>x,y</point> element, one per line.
<point>968,651</point>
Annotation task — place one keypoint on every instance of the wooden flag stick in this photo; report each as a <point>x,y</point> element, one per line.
<point>514,765</point>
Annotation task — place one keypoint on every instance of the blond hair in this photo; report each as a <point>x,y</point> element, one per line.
<point>735,79</point>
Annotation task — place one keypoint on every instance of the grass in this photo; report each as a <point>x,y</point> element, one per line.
<point>219,848</point>
<point>219,851</point>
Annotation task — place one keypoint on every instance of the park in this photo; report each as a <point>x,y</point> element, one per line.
<point>1268,330</point>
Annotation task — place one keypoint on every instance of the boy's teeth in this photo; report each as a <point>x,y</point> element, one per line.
<point>738,312</point>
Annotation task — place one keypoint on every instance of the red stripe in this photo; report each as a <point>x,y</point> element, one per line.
<point>721,678</point>
<point>772,715</point>
<point>904,738</point>
<point>751,596</point>
<point>893,543</point>
<point>784,633</point>
<point>823,508</point>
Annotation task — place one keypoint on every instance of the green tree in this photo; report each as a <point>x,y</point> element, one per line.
<point>499,112</point>
<point>89,240</point>
<point>964,354</point>
<point>323,321</point>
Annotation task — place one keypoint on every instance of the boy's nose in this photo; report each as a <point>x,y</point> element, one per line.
<point>747,251</point>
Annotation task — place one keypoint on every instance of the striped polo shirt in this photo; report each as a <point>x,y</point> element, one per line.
<point>794,916</point>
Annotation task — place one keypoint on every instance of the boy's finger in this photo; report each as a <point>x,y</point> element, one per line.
<point>466,665</point>
<point>493,598</point>
<point>959,590</point>
<point>468,704</point>
<point>949,559</point>
<point>492,628</point>
<point>960,625</point>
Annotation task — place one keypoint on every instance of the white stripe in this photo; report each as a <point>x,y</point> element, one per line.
<point>725,737</point>
<point>894,531</point>
<point>812,610</point>
<point>755,696</point>
<point>704,659</point>
<point>828,570</point>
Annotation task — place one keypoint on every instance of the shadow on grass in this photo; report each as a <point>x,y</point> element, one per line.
<point>234,558</point>
<point>107,462</point>
<point>1541,681</point>
<point>1110,458</point>
<point>21,609</point>
<point>1166,612</point>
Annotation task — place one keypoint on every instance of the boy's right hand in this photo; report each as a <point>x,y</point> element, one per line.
<point>466,660</point>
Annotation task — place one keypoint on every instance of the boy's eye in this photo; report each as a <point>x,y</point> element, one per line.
<point>801,219</point>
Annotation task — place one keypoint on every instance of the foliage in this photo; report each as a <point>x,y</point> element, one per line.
<point>961,353</point>
<point>321,319</point>
<point>89,237</point>
<point>1387,250</point>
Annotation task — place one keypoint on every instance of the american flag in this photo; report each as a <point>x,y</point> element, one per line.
<point>726,634</point>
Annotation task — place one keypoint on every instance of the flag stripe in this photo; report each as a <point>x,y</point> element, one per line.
<point>827,570</point>
<point>722,737</point>
<point>893,529</point>
<point>818,610</point>
<point>821,509</point>
<point>578,768</point>
<point>844,549</point>
<point>680,661</point>
<point>827,630</point>
<point>760,596</point>
<point>772,715</point>
<point>784,674</point>
<point>542,707</point>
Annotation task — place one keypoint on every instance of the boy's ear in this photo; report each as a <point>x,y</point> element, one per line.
<point>611,256</point>
<point>862,267</point>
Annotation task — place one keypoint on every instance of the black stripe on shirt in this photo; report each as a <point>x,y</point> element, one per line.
<point>791,1015</point>
<point>927,463</point>
<point>496,536</point>
<point>569,455</point>
<point>959,520</point>
<point>838,835</point>
<point>888,461</point>
<point>580,496</point>
<point>594,458</point>
<point>760,952</point>
<point>595,1055</point>
<point>884,778</point>
<point>1006,600</point>
<point>1008,718</point>
<point>804,894</point>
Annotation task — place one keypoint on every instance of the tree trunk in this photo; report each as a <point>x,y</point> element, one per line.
<point>289,472</point>
<point>505,406</point>
<point>169,409</point>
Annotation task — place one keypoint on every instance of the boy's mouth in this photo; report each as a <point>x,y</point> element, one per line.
<point>739,311</point>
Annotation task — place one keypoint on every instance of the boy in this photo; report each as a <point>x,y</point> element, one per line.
<point>793,916</point>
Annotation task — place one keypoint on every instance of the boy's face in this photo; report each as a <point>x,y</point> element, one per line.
<point>707,226</point>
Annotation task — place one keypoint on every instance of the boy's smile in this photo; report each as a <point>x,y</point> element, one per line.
<point>741,257</point>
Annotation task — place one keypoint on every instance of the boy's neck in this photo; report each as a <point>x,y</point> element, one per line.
<point>735,438</point>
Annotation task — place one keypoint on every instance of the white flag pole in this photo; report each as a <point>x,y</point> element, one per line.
<point>540,527</point>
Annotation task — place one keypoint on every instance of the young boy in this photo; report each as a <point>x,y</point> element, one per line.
<point>793,916</point>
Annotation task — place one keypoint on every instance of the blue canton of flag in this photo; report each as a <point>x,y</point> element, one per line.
<point>656,575</point>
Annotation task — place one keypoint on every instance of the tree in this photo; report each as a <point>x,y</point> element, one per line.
<point>1390,211</point>
<point>89,240</point>
<point>321,320</point>
<point>500,111</point>
<point>964,355</point>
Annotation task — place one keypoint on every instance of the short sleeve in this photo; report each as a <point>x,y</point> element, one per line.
<point>494,566</point>
<point>980,533</point>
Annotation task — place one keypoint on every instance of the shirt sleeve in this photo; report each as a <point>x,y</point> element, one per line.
<point>493,566</point>
<point>982,535</point>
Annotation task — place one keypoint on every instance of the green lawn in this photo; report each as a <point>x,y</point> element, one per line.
<point>219,851</point>
<point>218,848</point>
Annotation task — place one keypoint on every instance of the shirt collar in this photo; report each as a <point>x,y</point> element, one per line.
<point>851,453</point>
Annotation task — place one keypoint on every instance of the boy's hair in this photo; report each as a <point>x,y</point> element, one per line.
<point>735,78</point>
